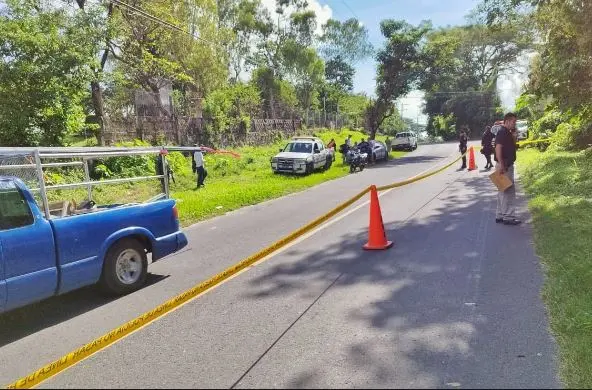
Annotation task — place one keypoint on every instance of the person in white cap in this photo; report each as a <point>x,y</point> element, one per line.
<point>198,161</point>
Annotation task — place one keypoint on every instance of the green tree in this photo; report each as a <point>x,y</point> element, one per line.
<point>340,74</point>
<point>150,53</point>
<point>400,64</point>
<point>463,65</point>
<point>347,41</point>
<point>562,67</point>
<point>285,57</point>
<point>249,21</point>
<point>46,61</point>
<point>231,109</point>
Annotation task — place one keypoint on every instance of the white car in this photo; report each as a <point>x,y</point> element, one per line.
<point>522,130</point>
<point>302,155</point>
<point>406,140</point>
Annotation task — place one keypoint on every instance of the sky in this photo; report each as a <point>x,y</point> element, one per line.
<point>370,12</point>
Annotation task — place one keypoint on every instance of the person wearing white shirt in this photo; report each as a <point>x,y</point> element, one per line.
<point>199,167</point>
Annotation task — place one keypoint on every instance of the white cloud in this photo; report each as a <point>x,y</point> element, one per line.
<point>322,11</point>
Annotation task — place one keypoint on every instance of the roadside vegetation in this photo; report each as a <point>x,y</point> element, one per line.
<point>231,183</point>
<point>560,188</point>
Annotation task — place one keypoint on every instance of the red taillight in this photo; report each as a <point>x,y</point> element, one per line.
<point>175,212</point>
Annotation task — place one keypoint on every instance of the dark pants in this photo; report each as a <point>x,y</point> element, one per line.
<point>201,175</point>
<point>464,157</point>
<point>488,158</point>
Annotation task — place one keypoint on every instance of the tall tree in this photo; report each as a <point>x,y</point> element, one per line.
<point>46,62</point>
<point>286,52</point>
<point>463,65</point>
<point>400,64</point>
<point>347,41</point>
<point>249,22</point>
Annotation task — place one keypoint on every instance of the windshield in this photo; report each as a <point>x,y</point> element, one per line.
<point>298,147</point>
<point>402,135</point>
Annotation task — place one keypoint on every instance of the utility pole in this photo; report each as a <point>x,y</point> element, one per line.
<point>324,109</point>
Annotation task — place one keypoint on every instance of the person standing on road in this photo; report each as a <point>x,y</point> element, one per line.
<point>505,156</point>
<point>462,147</point>
<point>389,145</point>
<point>199,167</point>
<point>487,146</point>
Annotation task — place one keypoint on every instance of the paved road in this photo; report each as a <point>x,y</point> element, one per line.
<point>447,306</point>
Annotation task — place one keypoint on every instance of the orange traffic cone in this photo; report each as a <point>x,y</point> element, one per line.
<point>472,165</point>
<point>376,235</point>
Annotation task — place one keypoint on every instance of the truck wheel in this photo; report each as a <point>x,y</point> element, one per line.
<point>328,163</point>
<point>309,168</point>
<point>125,267</point>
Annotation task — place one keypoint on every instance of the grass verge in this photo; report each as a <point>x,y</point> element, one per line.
<point>234,183</point>
<point>559,185</point>
<point>231,183</point>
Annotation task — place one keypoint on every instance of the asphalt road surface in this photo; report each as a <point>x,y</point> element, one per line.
<point>455,303</point>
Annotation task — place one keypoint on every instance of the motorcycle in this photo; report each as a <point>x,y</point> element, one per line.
<point>356,160</point>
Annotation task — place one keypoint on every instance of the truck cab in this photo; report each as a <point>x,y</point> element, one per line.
<point>302,155</point>
<point>28,269</point>
<point>43,254</point>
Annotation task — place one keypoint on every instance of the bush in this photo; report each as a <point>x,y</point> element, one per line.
<point>547,124</point>
<point>576,134</point>
<point>179,163</point>
<point>126,166</point>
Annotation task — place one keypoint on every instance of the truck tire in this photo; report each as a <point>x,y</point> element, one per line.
<point>328,163</point>
<point>309,168</point>
<point>125,267</point>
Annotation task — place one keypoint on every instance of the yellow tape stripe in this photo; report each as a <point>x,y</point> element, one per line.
<point>534,141</point>
<point>116,334</point>
<point>104,341</point>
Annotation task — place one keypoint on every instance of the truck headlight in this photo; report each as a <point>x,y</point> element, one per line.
<point>309,159</point>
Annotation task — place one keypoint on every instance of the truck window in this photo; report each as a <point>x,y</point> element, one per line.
<point>14,209</point>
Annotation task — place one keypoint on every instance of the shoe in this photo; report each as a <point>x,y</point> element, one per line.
<point>512,221</point>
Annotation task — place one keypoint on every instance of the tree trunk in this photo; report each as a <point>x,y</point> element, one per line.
<point>97,100</point>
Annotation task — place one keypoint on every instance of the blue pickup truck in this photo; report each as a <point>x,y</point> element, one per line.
<point>41,257</point>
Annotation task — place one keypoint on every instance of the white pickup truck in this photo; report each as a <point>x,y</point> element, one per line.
<point>406,140</point>
<point>302,155</point>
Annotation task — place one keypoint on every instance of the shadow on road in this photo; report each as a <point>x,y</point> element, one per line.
<point>22,322</point>
<point>428,317</point>
<point>405,160</point>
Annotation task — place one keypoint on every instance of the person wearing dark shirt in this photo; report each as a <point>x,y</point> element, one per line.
<point>505,156</point>
<point>462,147</point>
<point>364,147</point>
<point>487,146</point>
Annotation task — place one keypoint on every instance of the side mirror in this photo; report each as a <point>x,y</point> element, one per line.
<point>281,150</point>
<point>317,151</point>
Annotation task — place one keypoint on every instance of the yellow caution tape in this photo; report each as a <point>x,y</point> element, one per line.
<point>126,329</point>
<point>137,323</point>
<point>534,141</point>
<point>421,177</point>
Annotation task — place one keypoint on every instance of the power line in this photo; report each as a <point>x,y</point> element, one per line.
<point>164,23</point>
<point>350,10</point>
<point>153,18</point>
